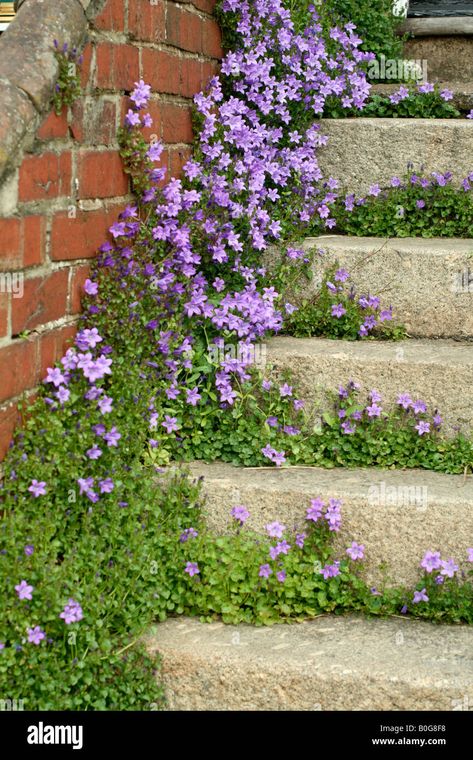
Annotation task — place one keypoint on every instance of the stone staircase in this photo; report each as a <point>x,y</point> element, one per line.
<point>353,663</point>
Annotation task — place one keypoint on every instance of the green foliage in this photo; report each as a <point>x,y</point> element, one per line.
<point>411,210</point>
<point>374,21</point>
<point>68,86</point>
<point>418,105</point>
<point>362,316</point>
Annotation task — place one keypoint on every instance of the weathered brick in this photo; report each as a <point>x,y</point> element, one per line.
<point>9,418</point>
<point>112,17</point>
<point>207,6</point>
<point>146,20</point>
<point>86,65</point>
<point>94,121</point>
<point>52,347</point>
<point>211,39</point>
<point>177,158</point>
<point>53,127</point>
<point>161,70</point>
<point>45,176</point>
<point>21,242</point>
<point>34,232</point>
<point>117,66</point>
<point>79,277</point>
<point>176,123</point>
<point>183,29</point>
<point>80,237</point>
<point>191,77</point>
<point>101,175</point>
<point>10,244</point>
<point>44,300</point>
<point>18,363</point>
<point>4,306</point>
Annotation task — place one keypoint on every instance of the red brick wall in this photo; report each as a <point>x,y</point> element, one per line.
<point>69,187</point>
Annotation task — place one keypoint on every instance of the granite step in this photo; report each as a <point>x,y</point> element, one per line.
<point>365,151</point>
<point>427,281</point>
<point>398,515</point>
<point>331,663</point>
<point>438,371</point>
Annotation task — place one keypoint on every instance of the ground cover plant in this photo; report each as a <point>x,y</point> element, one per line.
<point>94,542</point>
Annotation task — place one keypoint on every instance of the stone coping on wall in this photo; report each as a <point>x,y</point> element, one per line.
<point>28,67</point>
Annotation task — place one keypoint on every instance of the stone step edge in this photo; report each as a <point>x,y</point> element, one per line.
<point>331,663</point>
<point>398,515</point>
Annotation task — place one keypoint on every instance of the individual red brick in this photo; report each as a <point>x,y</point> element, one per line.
<point>146,20</point>
<point>18,363</point>
<point>34,234</point>
<point>183,29</point>
<point>211,39</point>
<point>112,17</point>
<point>45,176</point>
<point>161,70</point>
<point>80,237</point>
<point>76,294</point>
<point>176,123</point>
<point>9,419</point>
<point>85,67</point>
<point>21,242</point>
<point>10,244</point>
<point>101,175</point>
<point>44,300</point>
<point>207,6</point>
<point>4,305</point>
<point>117,66</point>
<point>94,121</point>
<point>52,347</point>
<point>191,77</point>
<point>177,159</point>
<point>53,127</point>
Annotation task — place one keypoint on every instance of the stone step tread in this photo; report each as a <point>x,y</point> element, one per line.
<point>331,663</point>
<point>397,514</point>
<point>443,489</point>
<point>438,27</point>
<point>433,246</point>
<point>415,352</point>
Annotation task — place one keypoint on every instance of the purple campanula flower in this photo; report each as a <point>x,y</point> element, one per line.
<point>24,591</point>
<point>240,514</point>
<point>404,400</point>
<point>356,551</point>
<point>37,488</point>
<point>112,437</point>
<point>29,549</point>
<point>338,310</point>
<point>170,423</point>
<point>423,427</point>
<point>264,571</point>
<point>72,612</point>
<point>420,596</point>
<point>36,635</point>
<point>449,568</point>
<point>285,390</point>
<point>431,561</point>
<point>192,568</point>
<point>275,529</point>
<point>94,452</point>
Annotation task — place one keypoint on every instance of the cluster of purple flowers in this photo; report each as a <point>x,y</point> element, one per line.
<point>373,410</point>
<point>369,304</point>
<point>414,180</point>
